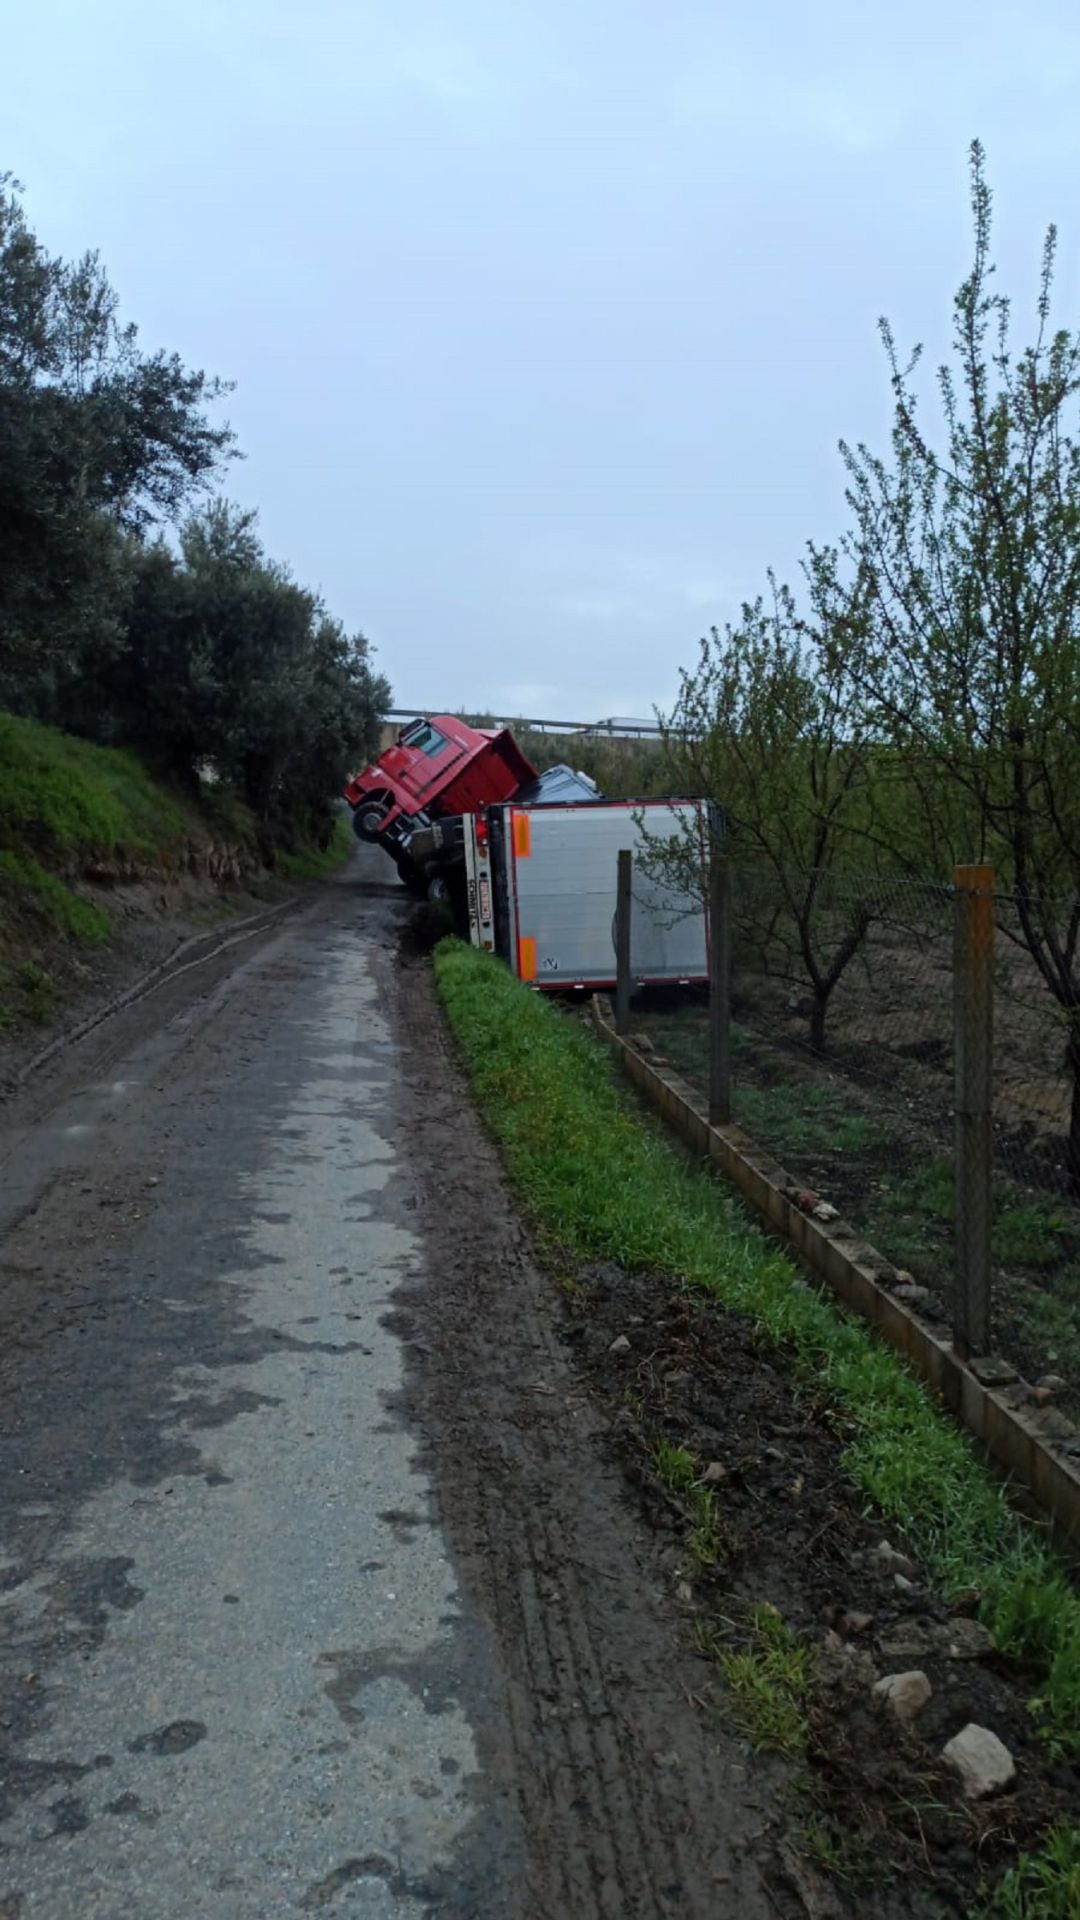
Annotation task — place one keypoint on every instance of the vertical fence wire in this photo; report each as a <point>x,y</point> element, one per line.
<point>973,1012</point>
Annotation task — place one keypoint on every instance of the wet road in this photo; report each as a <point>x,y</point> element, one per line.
<point>234,1648</point>
<point>320,1589</point>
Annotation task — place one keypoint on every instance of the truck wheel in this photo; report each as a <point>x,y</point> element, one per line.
<point>449,890</point>
<point>367,821</point>
<point>410,874</point>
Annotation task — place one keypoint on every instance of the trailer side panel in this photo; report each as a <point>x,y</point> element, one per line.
<point>560,870</point>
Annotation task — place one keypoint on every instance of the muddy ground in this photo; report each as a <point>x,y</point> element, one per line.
<point>793,1534</point>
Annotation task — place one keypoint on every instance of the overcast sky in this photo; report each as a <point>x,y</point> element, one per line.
<point>545,315</point>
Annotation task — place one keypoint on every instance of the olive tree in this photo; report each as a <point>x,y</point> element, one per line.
<point>99,440</point>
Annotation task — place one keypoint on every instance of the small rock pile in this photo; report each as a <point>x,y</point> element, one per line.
<point>981,1760</point>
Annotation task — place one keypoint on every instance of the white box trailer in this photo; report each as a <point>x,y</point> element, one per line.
<point>541,885</point>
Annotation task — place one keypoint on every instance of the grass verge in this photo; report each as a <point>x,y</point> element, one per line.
<point>602,1183</point>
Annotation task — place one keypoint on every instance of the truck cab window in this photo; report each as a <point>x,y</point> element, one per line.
<point>424,738</point>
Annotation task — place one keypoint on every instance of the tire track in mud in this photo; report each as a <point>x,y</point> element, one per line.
<point>638,1804</point>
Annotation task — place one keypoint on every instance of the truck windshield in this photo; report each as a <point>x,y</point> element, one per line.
<point>424,737</point>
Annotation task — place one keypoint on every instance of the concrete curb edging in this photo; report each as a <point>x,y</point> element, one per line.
<point>1025,1440</point>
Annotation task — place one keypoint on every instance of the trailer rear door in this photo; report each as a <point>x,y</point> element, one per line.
<point>478,881</point>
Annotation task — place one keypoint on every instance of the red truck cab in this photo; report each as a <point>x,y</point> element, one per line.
<point>439,765</point>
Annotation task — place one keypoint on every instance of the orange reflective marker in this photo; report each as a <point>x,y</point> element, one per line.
<point>527,958</point>
<point>522,835</point>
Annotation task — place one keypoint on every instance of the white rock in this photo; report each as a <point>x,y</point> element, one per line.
<point>906,1693</point>
<point>621,1345</point>
<point>714,1473</point>
<point>886,1557</point>
<point>983,1762</point>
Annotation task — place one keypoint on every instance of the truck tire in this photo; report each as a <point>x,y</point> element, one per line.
<point>448,889</point>
<point>367,820</point>
<point>410,875</point>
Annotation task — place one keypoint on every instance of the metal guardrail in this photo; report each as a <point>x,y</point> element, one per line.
<point>613,729</point>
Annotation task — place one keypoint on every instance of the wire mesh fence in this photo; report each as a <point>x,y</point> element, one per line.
<point>846,1005</point>
<point>1033,1084</point>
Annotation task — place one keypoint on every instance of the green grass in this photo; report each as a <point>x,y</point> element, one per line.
<point>603,1183</point>
<point>1043,1886</point>
<point>809,1119</point>
<point>927,1192</point>
<point>771,1684</point>
<point>314,863</point>
<point>675,1467</point>
<point>1027,1233</point>
<point>24,878</point>
<point>63,800</point>
<point>706,1539</point>
<point>1032,1238</point>
<point>59,793</point>
<point>1055,1317</point>
<point>38,992</point>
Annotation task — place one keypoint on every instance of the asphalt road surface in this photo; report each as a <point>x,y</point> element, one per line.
<point>320,1590</point>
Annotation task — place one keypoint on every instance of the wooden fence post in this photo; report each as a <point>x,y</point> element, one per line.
<point>973,1028</point>
<point>719,988</point>
<point>623,908</point>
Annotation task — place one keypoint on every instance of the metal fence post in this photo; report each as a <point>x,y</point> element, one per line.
<point>623,897</point>
<point>973,1019</point>
<point>719,989</point>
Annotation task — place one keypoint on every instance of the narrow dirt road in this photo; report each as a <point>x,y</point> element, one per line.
<point>320,1591</point>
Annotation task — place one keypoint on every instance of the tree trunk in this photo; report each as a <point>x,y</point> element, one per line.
<point>1072,1148</point>
<point>817,1020</point>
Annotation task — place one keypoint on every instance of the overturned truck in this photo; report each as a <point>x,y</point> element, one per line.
<point>527,861</point>
<point>411,801</point>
